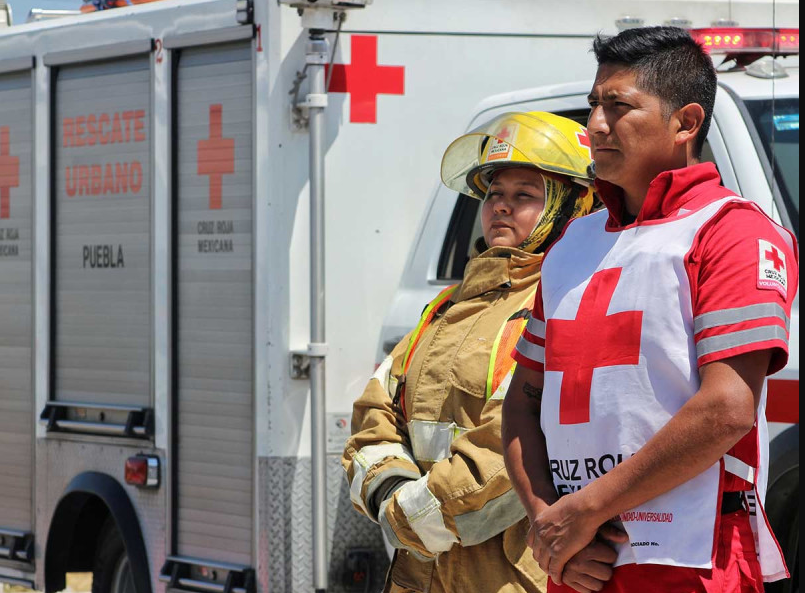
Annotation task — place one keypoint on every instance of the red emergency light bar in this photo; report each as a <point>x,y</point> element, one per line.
<point>734,40</point>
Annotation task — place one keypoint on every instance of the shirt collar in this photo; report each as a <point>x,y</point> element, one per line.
<point>669,192</point>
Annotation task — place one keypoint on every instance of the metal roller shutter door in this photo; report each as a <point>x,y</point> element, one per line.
<point>16,298</point>
<point>214,307</point>
<point>102,220</point>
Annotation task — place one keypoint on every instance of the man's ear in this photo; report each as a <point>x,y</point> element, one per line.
<point>690,119</point>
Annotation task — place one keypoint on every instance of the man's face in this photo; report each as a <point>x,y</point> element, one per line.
<point>632,139</point>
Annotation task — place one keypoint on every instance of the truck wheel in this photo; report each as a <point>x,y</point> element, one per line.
<point>112,571</point>
<point>788,537</point>
<point>793,554</point>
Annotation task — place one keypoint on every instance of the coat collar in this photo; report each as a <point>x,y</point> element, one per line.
<point>499,268</point>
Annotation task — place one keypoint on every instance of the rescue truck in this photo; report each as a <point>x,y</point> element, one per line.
<point>167,421</point>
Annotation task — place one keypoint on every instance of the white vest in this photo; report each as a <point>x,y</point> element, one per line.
<point>625,308</point>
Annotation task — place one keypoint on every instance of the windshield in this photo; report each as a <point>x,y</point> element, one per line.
<point>778,124</point>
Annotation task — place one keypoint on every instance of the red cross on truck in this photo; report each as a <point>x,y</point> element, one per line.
<point>364,79</point>
<point>216,156</point>
<point>9,173</point>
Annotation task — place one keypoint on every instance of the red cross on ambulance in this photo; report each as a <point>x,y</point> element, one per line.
<point>216,156</point>
<point>364,79</point>
<point>608,340</point>
<point>9,173</point>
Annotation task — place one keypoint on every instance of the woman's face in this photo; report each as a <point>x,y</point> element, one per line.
<point>512,207</point>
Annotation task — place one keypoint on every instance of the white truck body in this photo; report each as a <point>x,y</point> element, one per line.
<point>154,261</point>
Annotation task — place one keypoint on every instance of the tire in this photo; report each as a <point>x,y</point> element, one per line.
<point>112,570</point>
<point>782,504</point>
<point>791,546</point>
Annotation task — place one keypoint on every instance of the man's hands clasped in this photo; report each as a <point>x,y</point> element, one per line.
<point>572,547</point>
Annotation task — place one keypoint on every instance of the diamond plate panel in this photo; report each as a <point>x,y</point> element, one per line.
<point>286,563</point>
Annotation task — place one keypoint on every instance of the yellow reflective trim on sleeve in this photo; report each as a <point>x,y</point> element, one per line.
<point>424,513</point>
<point>368,457</point>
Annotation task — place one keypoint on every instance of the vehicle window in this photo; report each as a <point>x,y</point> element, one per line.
<point>707,154</point>
<point>465,225</point>
<point>463,230</point>
<point>778,125</point>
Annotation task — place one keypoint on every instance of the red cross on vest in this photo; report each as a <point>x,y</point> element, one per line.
<point>584,140</point>
<point>774,257</point>
<point>216,156</point>
<point>9,173</point>
<point>576,347</point>
<point>364,80</point>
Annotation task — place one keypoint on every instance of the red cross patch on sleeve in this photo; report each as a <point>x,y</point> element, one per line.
<point>771,268</point>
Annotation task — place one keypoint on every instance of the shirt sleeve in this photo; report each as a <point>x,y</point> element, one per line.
<point>530,349</point>
<point>744,274</point>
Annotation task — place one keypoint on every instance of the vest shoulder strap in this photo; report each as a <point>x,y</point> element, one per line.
<point>424,321</point>
<point>501,362</point>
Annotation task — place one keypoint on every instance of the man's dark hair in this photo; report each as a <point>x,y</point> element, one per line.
<point>667,63</point>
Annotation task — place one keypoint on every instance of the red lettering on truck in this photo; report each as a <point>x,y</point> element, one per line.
<point>104,128</point>
<point>98,180</point>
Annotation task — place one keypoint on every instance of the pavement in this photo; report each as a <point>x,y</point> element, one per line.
<point>76,583</point>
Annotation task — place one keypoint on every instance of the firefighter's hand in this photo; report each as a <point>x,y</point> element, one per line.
<point>590,569</point>
<point>560,532</point>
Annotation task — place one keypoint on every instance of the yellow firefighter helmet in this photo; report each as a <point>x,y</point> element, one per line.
<point>557,147</point>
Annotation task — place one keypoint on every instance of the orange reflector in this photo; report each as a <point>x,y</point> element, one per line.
<point>142,470</point>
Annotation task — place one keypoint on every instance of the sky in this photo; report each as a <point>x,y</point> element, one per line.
<point>20,8</point>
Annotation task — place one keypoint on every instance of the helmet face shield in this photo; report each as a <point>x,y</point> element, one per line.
<point>549,142</point>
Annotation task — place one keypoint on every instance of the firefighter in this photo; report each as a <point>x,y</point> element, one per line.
<point>425,457</point>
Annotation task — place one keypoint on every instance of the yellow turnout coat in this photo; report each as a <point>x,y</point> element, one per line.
<point>429,467</point>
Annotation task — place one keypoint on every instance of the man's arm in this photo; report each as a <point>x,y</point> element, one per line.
<point>524,450</point>
<point>526,458</point>
<point>704,429</point>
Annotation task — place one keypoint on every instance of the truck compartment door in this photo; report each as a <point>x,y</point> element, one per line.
<point>102,238</point>
<point>213,286</point>
<point>16,320</point>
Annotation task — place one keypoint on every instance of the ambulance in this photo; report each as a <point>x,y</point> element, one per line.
<point>205,211</point>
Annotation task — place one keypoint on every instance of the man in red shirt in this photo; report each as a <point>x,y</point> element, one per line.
<point>640,389</point>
